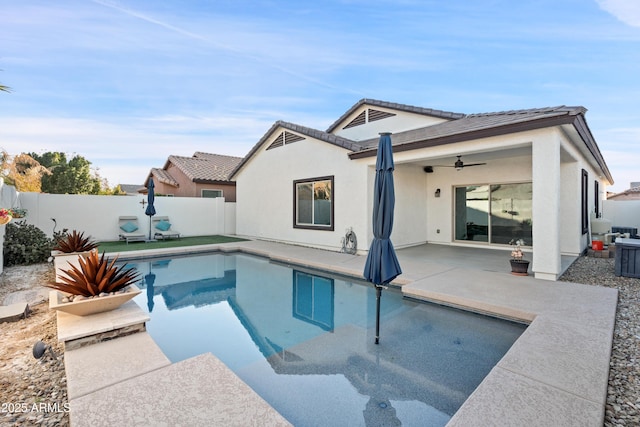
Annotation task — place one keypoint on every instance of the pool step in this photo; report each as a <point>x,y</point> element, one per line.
<point>196,391</point>
<point>97,366</point>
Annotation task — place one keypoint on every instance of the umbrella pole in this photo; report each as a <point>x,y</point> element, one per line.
<point>378,294</point>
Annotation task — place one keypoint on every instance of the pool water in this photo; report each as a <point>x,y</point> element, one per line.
<point>304,340</point>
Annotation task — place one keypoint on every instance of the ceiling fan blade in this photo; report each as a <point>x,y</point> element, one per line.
<point>474,164</point>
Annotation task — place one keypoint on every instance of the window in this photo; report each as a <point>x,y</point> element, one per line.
<point>494,213</point>
<point>596,197</point>
<point>313,203</point>
<point>585,202</point>
<point>313,299</point>
<point>212,194</point>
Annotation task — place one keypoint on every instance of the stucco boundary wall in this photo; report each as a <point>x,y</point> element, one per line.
<point>622,213</point>
<point>98,215</point>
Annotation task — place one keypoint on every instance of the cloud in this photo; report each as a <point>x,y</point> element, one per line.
<point>124,151</point>
<point>627,11</point>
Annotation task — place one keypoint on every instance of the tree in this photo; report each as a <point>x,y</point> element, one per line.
<point>23,172</point>
<point>72,177</point>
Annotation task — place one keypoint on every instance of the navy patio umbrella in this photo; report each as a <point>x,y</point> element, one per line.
<point>151,210</point>
<point>382,265</point>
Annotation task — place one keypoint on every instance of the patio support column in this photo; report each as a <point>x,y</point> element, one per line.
<point>545,158</point>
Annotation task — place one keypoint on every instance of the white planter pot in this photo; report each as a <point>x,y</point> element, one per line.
<point>90,306</point>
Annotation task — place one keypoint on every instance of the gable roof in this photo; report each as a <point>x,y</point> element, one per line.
<point>482,125</point>
<point>459,127</point>
<point>303,130</point>
<point>476,123</point>
<point>394,106</point>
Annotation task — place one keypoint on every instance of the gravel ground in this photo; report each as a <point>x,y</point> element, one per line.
<point>33,392</point>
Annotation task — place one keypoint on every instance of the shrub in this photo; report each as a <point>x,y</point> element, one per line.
<point>74,242</point>
<point>25,244</point>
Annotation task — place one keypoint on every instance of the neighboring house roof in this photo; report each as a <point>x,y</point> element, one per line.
<point>633,192</point>
<point>131,188</point>
<point>200,168</point>
<point>459,127</point>
<point>164,177</point>
<point>206,167</point>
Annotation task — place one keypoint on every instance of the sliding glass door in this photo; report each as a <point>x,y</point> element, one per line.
<point>494,213</point>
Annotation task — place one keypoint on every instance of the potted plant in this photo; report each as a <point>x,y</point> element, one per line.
<point>95,285</point>
<point>69,247</point>
<point>5,216</point>
<point>519,265</point>
<point>18,212</point>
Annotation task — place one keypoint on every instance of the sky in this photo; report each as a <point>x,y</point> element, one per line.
<point>127,83</point>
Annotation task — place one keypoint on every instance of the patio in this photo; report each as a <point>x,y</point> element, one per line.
<point>555,374</point>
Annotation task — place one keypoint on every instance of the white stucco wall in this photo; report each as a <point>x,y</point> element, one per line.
<point>545,157</point>
<point>265,196</point>
<point>622,213</point>
<point>98,215</point>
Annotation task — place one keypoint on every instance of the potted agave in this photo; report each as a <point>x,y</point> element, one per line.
<point>519,265</point>
<point>69,248</point>
<point>95,285</point>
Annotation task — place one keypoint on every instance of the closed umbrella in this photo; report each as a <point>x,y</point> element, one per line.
<point>382,265</point>
<point>151,210</point>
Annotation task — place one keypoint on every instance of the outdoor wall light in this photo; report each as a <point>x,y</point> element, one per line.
<point>438,192</point>
<point>40,348</point>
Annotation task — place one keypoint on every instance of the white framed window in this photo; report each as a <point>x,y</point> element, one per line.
<point>313,203</point>
<point>212,194</point>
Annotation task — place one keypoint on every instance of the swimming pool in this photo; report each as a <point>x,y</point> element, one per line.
<point>304,340</point>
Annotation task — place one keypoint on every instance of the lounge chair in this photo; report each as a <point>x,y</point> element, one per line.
<point>162,228</point>
<point>130,230</point>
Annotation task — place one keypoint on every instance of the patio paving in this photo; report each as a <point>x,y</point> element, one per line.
<point>555,374</point>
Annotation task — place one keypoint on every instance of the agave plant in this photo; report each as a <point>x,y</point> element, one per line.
<point>74,242</point>
<point>94,276</point>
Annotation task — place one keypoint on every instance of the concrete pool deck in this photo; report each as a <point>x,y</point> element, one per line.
<point>556,373</point>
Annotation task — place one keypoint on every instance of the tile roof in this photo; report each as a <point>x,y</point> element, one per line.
<point>628,192</point>
<point>459,127</point>
<point>477,122</point>
<point>163,176</point>
<point>205,167</point>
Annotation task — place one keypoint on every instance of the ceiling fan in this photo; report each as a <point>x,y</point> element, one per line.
<point>459,164</point>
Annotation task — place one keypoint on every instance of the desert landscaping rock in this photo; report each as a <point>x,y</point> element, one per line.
<point>28,382</point>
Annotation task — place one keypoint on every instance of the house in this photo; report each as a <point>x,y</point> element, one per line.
<point>202,175</point>
<point>132,189</point>
<point>461,179</point>
<point>632,193</point>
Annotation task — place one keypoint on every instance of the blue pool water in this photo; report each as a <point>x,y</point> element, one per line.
<point>304,340</point>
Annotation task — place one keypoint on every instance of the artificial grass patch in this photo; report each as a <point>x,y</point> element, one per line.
<point>170,243</point>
